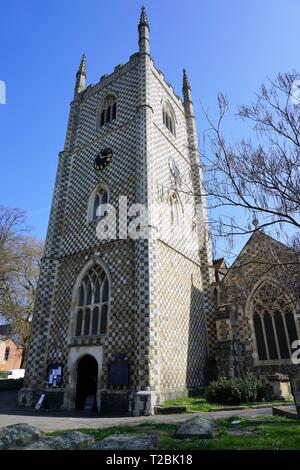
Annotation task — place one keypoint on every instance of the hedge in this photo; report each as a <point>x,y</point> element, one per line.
<point>234,391</point>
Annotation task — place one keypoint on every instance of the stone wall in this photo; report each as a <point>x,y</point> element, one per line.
<point>159,285</point>
<point>259,263</point>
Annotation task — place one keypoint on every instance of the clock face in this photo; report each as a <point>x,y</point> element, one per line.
<point>103,159</point>
<point>174,168</point>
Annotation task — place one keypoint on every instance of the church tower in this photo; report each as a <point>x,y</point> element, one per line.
<point>122,299</point>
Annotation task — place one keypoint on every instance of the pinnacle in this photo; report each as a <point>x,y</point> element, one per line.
<point>143,18</point>
<point>186,83</point>
<point>82,66</point>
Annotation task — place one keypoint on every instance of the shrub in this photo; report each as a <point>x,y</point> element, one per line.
<point>235,390</point>
<point>262,392</point>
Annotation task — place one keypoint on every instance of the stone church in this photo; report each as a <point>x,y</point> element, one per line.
<point>129,321</point>
<point>257,318</point>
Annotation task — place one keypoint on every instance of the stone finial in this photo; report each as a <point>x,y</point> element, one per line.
<point>186,83</point>
<point>82,66</point>
<point>255,222</point>
<point>143,18</point>
<point>144,33</point>
<point>80,77</point>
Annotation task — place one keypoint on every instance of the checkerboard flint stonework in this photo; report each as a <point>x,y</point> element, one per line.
<point>167,316</point>
<point>158,286</point>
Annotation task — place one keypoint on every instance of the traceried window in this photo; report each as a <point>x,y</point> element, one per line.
<point>108,110</point>
<point>98,203</point>
<point>6,353</point>
<point>168,118</point>
<point>274,324</point>
<point>92,303</point>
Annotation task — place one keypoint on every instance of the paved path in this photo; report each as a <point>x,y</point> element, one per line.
<point>48,421</point>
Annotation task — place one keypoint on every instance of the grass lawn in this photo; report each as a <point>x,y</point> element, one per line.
<point>199,403</point>
<point>271,433</point>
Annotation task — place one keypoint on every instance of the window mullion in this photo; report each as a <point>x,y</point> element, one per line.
<point>99,319</point>
<point>91,321</point>
<point>297,323</point>
<point>85,293</point>
<point>264,334</point>
<point>93,286</point>
<point>275,336</point>
<point>83,322</point>
<point>287,334</point>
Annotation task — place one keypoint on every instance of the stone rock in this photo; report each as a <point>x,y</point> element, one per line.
<point>39,445</point>
<point>72,440</point>
<point>199,427</point>
<point>18,435</point>
<point>126,442</point>
<point>243,431</point>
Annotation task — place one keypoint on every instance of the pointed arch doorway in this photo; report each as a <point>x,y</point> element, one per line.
<point>87,378</point>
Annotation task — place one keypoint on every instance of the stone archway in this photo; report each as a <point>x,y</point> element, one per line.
<point>86,381</point>
<point>75,355</point>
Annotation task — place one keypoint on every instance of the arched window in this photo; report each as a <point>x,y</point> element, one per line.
<point>169,118</point>
<point>97,206</point>
<point>175,209</point>
<point>108,110</point>
<point>92,303</point>
<point>274,323</point>
<point>6,353</point>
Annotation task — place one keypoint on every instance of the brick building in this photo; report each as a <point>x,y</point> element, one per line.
<point>11,350</point>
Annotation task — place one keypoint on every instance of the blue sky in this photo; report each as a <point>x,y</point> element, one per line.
<point>225,45</point>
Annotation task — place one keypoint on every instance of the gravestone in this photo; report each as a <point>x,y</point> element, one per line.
<point>200,427</point>
<point>281,386</point>
<point>295,383</point>
<point>126,442</point>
